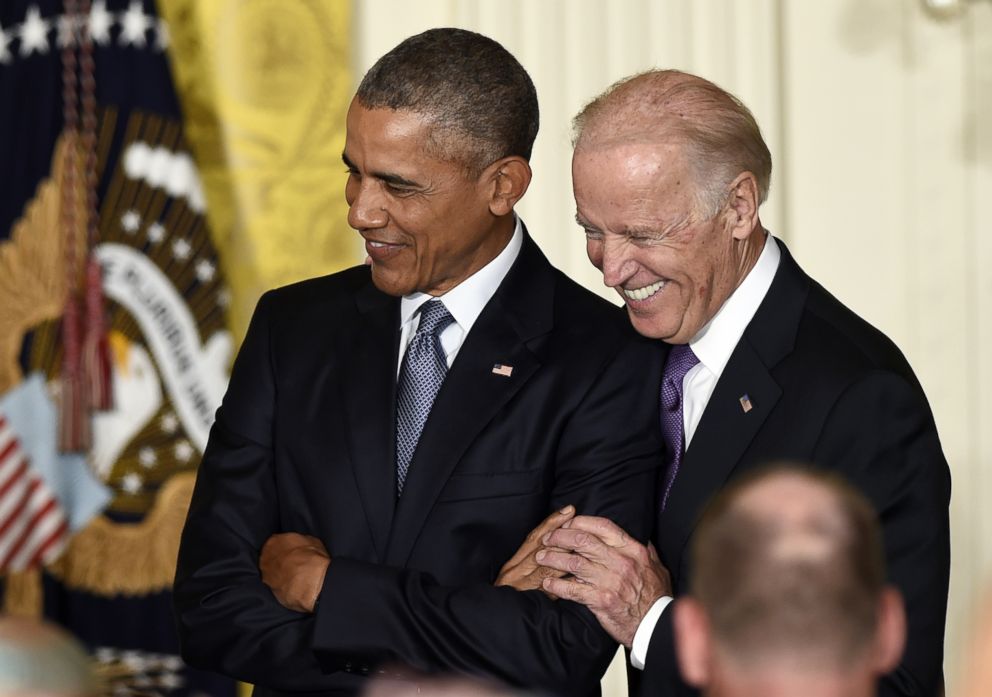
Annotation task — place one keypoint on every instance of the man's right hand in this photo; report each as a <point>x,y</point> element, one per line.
<point>293,567</point>
<point>522,571</point>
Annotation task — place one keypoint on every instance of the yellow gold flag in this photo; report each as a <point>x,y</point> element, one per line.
<point>265,86</point>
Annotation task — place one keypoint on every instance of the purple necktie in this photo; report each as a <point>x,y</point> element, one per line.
<point>680,361</point>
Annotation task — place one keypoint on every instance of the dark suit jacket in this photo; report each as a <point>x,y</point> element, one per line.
<point>830,389</point>
<point>304,442</point>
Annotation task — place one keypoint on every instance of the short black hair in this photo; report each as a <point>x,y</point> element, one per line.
<point>480,100</point>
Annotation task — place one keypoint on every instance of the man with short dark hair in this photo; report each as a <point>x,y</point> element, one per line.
<point>788,593</point>
<point>762,364</point>
<point>392,432</point>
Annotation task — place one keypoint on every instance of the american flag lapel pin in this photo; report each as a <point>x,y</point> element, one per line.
<point>746,403</point>
<point>504,370</point>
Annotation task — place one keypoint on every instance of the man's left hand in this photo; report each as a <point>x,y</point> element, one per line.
<point>613,574</point>
<point>293,567</point>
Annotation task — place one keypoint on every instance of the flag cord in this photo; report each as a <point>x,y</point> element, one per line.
<point>86,369</point>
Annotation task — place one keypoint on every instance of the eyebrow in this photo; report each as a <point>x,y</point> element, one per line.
<point>387,177</point>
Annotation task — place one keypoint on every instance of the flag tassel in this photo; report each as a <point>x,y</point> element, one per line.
<point>74,422</point>
<point>96,365</point>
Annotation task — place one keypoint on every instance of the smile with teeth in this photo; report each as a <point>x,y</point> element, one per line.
<point>645,292</point>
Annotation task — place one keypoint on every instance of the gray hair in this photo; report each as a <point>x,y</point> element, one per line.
<point>720,134</point>
<point>480,101</point>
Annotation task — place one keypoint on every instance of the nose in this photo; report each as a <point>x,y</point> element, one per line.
<point>616,262</point>
<point>366,210</point>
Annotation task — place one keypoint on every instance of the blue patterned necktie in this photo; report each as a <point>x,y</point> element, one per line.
<point>423,371</point>
<point>680,361</point>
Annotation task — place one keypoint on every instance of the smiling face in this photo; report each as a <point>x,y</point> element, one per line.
<point>427,223</point>
<point>636,202</point>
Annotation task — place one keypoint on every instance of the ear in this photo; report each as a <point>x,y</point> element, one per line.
<point>509,178</point>
<point>890,635</point>
<point>693,641</point>
<point>742,206</point>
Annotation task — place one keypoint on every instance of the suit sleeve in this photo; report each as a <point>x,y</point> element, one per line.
<point>661,674</point>
<point>881,435</point>
<point>227,619</point>
<point>370,614</point>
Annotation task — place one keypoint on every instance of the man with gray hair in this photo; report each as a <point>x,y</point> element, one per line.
<point>762,364</point>
<point>788,592</point>
<point>392,432</point>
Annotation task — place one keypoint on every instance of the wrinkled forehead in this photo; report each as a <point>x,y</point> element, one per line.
<point>633,157</point>
<point>626,176</point>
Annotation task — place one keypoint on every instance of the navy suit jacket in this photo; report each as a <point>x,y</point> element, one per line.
<point>829,389</point>
<point>304,442</point>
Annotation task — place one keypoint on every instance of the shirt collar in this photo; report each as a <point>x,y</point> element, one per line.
<point>466,300</point>
<point>716,341</point>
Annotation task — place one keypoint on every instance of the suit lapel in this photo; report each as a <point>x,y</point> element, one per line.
<point>721,438</point>
<point>726,428</point>
<point>369,393</point>
<point>472,394</point>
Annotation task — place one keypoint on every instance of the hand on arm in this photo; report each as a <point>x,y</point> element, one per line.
<point>614,575</point>
<point>293,566</point>
<point>523,572</point>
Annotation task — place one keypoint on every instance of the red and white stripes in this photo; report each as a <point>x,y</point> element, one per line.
<point>33,526</point>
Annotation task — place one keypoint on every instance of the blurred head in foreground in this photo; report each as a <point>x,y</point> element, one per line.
<point>38,659</point>
<point>438,686</point>
<point>788,594</point>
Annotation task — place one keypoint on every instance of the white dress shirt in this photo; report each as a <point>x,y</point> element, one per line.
<point>465,301</point>
<point>713,346</point>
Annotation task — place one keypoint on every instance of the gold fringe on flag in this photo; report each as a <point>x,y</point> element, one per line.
<point>22,593</point>
<point>108,558</point>
<point>32,270</point>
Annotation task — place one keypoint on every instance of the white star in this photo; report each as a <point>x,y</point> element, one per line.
<point>205,271</point>
<point>34,32</point>
<point>156,233</point>
<point>134,660</point>
<point>183,451</point>
<point>100,22</point>
<point>181,249</point>
<point>147,457</point>
<point>5,39</point>
<point>69,30</point>
<point>224,298</point>
<point>134,24</point>
<point>173,663</point>
<point>163,37</point>
<point>105,654</point>
<point>131,482</point>
<point>131,221</point>
<point>169,422</point>
<point>170,681</point>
